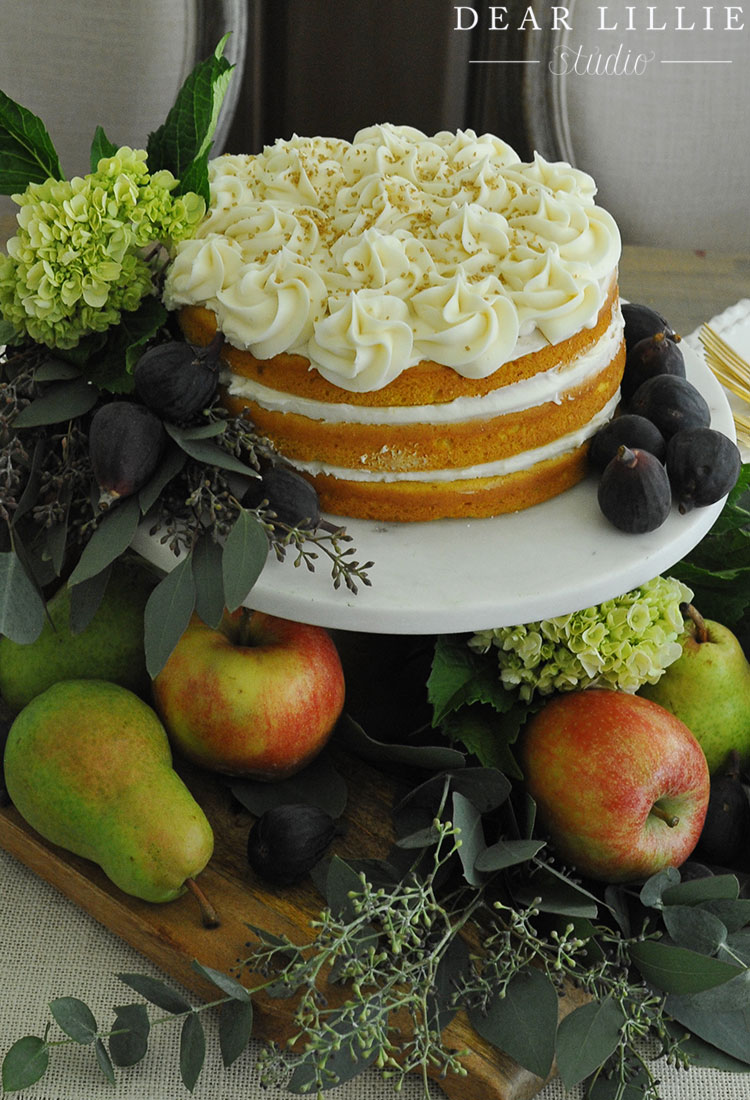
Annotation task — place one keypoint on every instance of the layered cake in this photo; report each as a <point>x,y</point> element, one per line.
<point>423,326</point>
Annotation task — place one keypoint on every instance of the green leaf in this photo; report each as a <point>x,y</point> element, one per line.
<point>222,981</point>
<point>728,1031</point>
<point>523,1023</point>
<point>157,992</point>
<point>586,1038</point>
<point>86,598</point>
<point>108,359</point>
<point>171,464</point>
<point>103,1061</point>
<point>192,1050</point>
<point>27,154</point>
<point>557,893</point>
<point>74,1018</point>
<point>167,614</point>
<point>507,853</point>
<point>468,820</point>
<point>487,735</point>
<point>653,888</point>
<point>55,370</point>
<point>235,1029</point>
<point>21,606</point>
<point>110,539</point>
<point>245,553</point>
<point>209,579</point>
<point>678,970</point>
<point>734,914</point>
<point>706,1056</point>
<point>695,929</point>
<point>636,1087</point>
<point>101,146</point>
<point>429,757</point>
<point>698,890</point>
<point>460,676</point>
<point>185,136</point>
<point>342,1064</point>
<point>319,784</point>
<point>62,401</point>
<point>26,1061</point>
<point>128,1042</point>
<point>206,452</point>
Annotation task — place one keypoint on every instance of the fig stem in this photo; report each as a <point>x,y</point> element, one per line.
<point>695,617</point>
<point>209,916</point>
<point>667,818</point>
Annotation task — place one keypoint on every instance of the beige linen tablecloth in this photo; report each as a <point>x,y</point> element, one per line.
<point>50,948</point>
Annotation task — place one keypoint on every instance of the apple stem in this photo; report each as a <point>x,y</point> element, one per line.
<point>209,915</point>
<point>695,617</point>
<point>669,819</point>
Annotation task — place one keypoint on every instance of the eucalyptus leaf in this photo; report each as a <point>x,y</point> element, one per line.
<point>209,579</point>
<point>206,452</point>
<point>523,1023</point>
<point>342,881</point>
<point>27,154</point>
<point>192,1050</point>
<point>653,888</point>
<point>737,947</point>
<point>168,611</point>
<point>74,1018</point>
<point>104,1061</point>
<point>128,1041</point>
<point>245,553</point>
<point>23,1065</point>
<point>342,1063</point>
<point>678,970</point>
<point>610,1088</point>
<point>507,853</point>
<point>468,820</point>
<point>30,492</point>
<point>170,465</point>
<point>422,838</point>
<point>728,1031</point>
<point>586,1038</point>
<point>698,890</point>
<point>60,402</point>
<point>111,538</point>
<point>557,893</point>
<point>734,913</point>
<point>691,927</point>
<point>705,1055</point>
<point>318,784</point>
<point>86,598</point>
<point>222,981</point>
<point>21,605</point>
<point>157,992</point>
<point>235,1029</point>
<point>352,735</point>
<point>454,965</point>
<point>56,370</point>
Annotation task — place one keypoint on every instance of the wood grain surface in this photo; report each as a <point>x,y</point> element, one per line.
<point>172,935</point>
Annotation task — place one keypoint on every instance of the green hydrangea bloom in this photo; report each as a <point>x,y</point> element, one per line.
<point>75,263</point>
<point>622,643</point>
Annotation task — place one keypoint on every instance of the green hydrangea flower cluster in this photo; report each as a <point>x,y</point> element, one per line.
<point>622,643</point>
<point>75,263</point>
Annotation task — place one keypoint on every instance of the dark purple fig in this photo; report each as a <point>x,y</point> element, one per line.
<point>672,403</point>
<point>642,321</point>
<point>653,355</point>
<point>177,380</point>
<point>125,444</point>
<point>703,466</point>
<point>289,495</point>
<point>288,840</point>
<point>627,430</point>
<point>634,492</point>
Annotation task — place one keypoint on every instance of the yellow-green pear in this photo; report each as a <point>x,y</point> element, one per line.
<point>88,765</point>
<point>708,688</point>
<point>109,648</point>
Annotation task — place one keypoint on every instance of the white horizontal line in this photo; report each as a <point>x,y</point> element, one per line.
<point>503,62</point>
<point>698,61</point>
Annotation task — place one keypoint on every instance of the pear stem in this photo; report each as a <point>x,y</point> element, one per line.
<point>209,915</point>
<point>695,617</point>
<point>669,819</point>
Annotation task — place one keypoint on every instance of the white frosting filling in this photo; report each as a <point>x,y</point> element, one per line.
<point>550,385</point>
<point>511,465</point>
<point>370,257</point>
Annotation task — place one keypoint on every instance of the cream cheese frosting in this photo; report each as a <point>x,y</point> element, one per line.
<point>371,256</point>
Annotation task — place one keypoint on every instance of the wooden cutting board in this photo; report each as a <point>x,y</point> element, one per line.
<point>172,935</point>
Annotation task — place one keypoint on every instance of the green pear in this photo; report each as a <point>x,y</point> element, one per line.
<point>88,765</point>
<point>708,687</point>
<point>109,648</point>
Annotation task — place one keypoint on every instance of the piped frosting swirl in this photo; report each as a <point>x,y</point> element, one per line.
<point>371,256</point>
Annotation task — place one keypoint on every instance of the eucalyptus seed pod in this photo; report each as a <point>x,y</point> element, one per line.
<point>287,841</point>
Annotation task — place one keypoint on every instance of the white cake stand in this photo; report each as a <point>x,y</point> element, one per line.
<point>451,576</point>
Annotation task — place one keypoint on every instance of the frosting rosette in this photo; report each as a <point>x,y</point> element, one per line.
<point>367,256</point>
